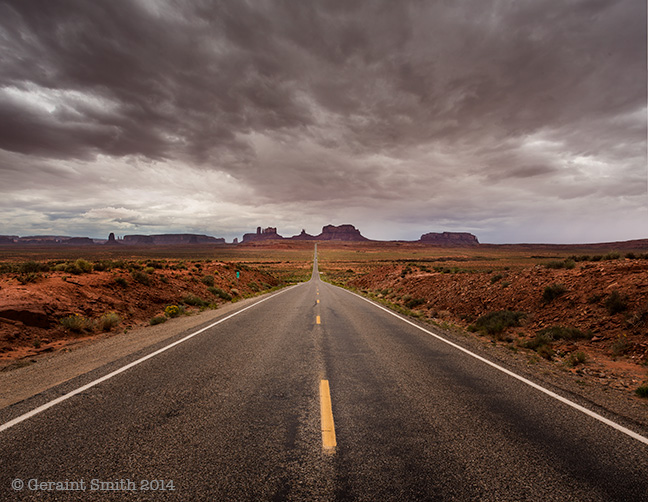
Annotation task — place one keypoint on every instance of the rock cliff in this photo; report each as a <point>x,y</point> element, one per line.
<point>171,239</point>
<point>340,233</point>
<point>450,239</point>
<point>303,236</point>
<point>262,234</point>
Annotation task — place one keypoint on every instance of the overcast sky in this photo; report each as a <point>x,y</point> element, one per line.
<point>518,120</point>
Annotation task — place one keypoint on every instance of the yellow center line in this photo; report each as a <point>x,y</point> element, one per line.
<point>318,300</point>
<point>318,320</point>
<point>328,427</point>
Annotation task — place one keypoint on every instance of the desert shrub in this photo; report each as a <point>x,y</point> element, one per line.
<point>120,264</point>
<point>108,321</point>
<point>552,292</point>
<point>595,298</point>
<point>415,302</point>
<point>495,323</point>
<point>612,255</point>
<point>616,302</point>
<point>155,264</point>
<point>208,280</point>
<point>567,264</point>
<point>496,277</point>
<point>173,310</point>
<point>220,293</point>
<point>71,268</point>
<point>194,300</point>
<point>102,265</point>
<point>157,320</point>
<point>6,268</point>
<point>29,277</point>
<point>253,286</point>
<point>576,358</point>
<point>538,341</point>
<point>542,341</point>
<point>141,277</point>
<point>639,319</point>
<point>76,323</point>
<point>407,270</point>
<point>621,346</point>
<point>642,391</point>
<point>31,267</point>
<point>235,292</point>
<point>120,281</point>
<point>83,265</point>
<point>564,333</point>
<point>148,270</point>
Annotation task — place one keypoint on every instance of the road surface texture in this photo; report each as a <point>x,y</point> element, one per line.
<point>312,393</point>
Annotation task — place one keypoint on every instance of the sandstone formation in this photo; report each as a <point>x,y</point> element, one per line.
<point>29,315</point>
<point>303,236</point>
<point>329,233</point>
<point>262,234</point>
<point>450,239</point>
<point>8,239</point>
<point>171,239</point>
<point>111,240</point>
<point>78,241</point>
<point>43,239</point>
<point>340,233</point>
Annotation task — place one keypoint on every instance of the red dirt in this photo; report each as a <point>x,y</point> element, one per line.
<point>30,313</point>
<point>618,347</point>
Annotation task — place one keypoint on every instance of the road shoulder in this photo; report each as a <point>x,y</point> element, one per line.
<point>53,369</point>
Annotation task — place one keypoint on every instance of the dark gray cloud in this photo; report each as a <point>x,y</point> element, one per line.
<point>445,114</point>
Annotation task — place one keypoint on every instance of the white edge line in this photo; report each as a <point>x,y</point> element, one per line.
<point>580,408</point>
<point>87,386</point>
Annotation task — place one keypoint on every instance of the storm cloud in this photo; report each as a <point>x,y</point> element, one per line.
<point>519,121</point>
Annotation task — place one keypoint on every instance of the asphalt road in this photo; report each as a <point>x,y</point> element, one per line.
<point>235,413</point>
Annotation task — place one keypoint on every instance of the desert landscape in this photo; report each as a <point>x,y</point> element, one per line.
<point>580,310</point>
<point>324,250</point>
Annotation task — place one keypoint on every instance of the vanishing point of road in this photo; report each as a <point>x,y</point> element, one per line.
<point>313,393</point>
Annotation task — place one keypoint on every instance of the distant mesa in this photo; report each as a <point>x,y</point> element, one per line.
<point>303,236</point>
<point>44,240</point>
<point>329,233</point>
<point>340,233</point>
<point>8,239</point>
<point>262,234</point>
<point>450,239</point>
<point>78,241</point>
<point>161,239</point>
<point>170,239</point>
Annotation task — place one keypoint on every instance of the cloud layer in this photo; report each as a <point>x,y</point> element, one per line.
<point>519,121</point>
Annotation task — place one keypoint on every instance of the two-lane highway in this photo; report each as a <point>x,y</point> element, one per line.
<point>316,394</point>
